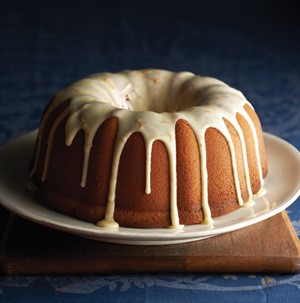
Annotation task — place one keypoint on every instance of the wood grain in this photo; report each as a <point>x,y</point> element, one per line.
<point>28,248</point>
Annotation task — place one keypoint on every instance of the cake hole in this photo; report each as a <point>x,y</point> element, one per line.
<point>153,91</point>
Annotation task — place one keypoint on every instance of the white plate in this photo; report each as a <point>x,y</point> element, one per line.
<point>282,185</point>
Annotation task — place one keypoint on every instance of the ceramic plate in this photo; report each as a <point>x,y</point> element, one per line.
<point>282,185</point>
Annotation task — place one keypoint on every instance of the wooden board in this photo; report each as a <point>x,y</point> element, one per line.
<point>28,248</point>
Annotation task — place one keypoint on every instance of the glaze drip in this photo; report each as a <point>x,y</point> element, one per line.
<point>151,102</point>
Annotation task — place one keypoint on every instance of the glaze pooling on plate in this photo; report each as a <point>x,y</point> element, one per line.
<point>150,102</point>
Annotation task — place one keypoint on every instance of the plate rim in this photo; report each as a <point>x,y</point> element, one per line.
<point>124,235</point>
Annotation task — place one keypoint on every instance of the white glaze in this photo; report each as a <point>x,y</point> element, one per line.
<point>151,102</point>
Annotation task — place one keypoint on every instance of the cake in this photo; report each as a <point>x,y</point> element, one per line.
<point>148,149</point>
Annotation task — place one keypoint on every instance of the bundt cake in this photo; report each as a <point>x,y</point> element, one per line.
<point>148,149</point>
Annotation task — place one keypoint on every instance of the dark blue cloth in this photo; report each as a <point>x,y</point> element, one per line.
<point>251,45</point>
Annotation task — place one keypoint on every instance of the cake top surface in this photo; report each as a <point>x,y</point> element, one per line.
<point>151,90</point>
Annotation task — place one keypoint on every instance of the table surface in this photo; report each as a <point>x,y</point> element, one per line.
<point>48,44</point>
